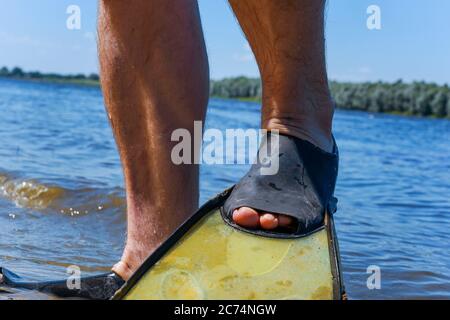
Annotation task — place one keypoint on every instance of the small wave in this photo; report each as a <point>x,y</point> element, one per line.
<point>29,193</point>
<point>37,196</point>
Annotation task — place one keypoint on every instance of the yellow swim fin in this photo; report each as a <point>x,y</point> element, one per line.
<point>207,258</point>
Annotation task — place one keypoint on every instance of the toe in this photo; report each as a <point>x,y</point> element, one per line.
<point>285,221</point>
<point>246,217</point>
<point>268,221</point>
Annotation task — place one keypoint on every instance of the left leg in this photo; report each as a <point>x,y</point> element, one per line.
<point>287,38</point>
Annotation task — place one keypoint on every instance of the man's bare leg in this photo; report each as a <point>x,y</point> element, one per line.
<point>288,40</point>
<point>155,79</point>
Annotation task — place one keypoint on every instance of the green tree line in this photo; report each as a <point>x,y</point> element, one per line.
<point>18,73</point>
<point>417,98</point>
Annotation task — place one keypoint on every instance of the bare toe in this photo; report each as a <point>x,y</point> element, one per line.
<point>268,221</point>
<point>285,221</point>
<point>246,217</point>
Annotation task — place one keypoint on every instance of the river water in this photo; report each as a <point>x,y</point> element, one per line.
<point>62,199</point>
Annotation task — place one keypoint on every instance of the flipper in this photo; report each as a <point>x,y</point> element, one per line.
<point>208,259</point>
<point>100,287</point>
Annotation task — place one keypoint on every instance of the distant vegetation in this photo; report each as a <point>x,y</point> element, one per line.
<point>417,98</point>
<point>18,73</point>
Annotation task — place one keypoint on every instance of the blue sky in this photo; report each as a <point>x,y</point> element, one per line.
<point>413,43</point>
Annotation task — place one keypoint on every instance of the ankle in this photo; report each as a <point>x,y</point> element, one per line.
<point>133,256</point>
<point>146,232</point>
<point>308,116</point>
<point>315,128</point>
<point>318,137</point>
<point>123,270</point>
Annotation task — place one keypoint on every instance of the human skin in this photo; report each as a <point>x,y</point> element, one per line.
<point>155,79</point>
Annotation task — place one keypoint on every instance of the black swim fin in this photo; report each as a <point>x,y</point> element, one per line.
<point>101,287</point>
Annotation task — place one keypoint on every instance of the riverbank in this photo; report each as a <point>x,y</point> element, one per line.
<point>78,82</point>
<point>76,79</point>
<point>409,99</point>
<point>417,98</point>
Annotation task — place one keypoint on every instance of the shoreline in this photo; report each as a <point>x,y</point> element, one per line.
<point>391,113</point>
<point>256,99</point>
<point>77,82</point>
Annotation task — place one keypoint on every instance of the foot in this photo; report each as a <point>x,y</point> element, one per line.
<point>136,252</point>
<point>132,258</point>
<point>250,218</point>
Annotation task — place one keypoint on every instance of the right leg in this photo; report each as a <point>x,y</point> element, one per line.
<point>155,79</point>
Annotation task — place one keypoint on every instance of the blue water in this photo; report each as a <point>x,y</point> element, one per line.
<point>62,199</point>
